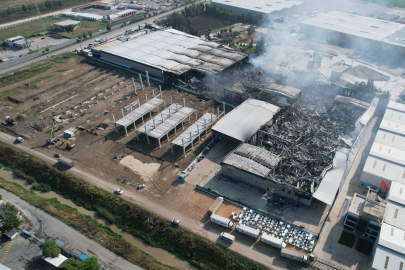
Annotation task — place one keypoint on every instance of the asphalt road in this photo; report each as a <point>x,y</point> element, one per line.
<point>67,46</point>
<point>244,245</point>
<point>45,226</point>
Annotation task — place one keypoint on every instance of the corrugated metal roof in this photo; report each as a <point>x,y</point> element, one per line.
<point>169,43</point>
<point>385,169</point>
<point>394,116</point>
<point>395,216</point>
<point>396,106</point>
<point>393,238</point>
<point>392,126</point>
<point>397,193</point>
<point>246,119</point>
<point>388,153</point>
<point>381,255</point>
<point>390,139</point>
<point>356,25</point>
<point>262,6</point>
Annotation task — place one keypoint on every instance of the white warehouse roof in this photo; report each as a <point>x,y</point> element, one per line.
<point>395,215</point>
<point>388,152</point>
<point>246,119</point>
<point>385,169</point>
<point>396,106</point>
<point>397,193</point>
<point>390,139</point>
<point>382,254</point>
<point>263,6</point>
<point>177,52</point>
<point>392,126</point>
<point>360,26</point>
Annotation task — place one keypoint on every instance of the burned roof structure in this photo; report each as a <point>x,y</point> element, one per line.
<point>308,143</point>
<point>172,52</point>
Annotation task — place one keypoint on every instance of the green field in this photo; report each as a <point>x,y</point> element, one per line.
<point>34,28</point>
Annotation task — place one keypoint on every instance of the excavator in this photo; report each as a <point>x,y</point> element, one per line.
<point>69,144</point>
<point>52,139</point>
<point>10,120</point>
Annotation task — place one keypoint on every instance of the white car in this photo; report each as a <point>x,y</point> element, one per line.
<point>176,221</point>
<point>141,186</point>
<point>19,139</point>
<point>118,191</point>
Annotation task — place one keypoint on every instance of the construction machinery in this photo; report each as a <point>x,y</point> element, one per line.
<point>10,121</point>
<point>52,139</point>
<point>69,144</point>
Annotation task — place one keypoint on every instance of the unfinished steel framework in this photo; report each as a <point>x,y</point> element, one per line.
<point>195,130</point>
<point>303,139</point>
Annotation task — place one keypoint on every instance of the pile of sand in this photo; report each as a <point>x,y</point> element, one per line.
<point>145,170</point>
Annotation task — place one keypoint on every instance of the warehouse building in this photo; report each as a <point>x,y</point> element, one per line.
<point>268,9</point>
<point>19,42</point>
<point>389,253</point>
<point>170,54</point>
<point>386,160</point>
<point>346,28</point>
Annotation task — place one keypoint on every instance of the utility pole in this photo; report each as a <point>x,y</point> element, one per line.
<point>40,18</point>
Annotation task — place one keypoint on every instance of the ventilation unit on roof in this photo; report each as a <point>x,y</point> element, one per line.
<point>400,39</point>
<point>352,15</point>
<point>268,5</point>
<point>341,20</point>
<point>363,31</point>
<point>330,23</point>
<point>384,21</point>
<point>375,26</point>
<point>258,7</point>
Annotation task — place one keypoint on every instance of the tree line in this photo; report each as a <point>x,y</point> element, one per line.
<point>184,21</point>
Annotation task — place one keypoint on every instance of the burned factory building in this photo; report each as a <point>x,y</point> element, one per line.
<point>305,151</point>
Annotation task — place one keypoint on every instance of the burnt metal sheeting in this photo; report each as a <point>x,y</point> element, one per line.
<point>247,165</point>
<point>258,154</point>
<point>355,102</point>
<point>246,119</point>
<point>177,52</point>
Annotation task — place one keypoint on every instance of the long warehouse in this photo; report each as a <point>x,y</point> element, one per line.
<point>168,54</point>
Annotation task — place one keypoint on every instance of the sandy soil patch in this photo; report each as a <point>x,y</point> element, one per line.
<point>145,170</point>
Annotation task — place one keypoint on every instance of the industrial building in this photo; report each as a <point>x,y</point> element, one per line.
<point>19,42</point>
<point>389,252</point>
<point>268,9</point>
<point>386,160</point>
<point>61,26</point>
<point>346,28</point>
<point>170,54</point>
<point>99,5</point>
<point>281,152</point>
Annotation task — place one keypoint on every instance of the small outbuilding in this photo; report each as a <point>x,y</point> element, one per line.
<point>61,26</point>
<point>56,262</point>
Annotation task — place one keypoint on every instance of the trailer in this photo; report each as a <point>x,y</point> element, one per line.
<point>272,241</point>
<point>225,222</point>
<point>294,255</point>
<point>66,162</point>
<point>214,207</point>
<point>248,230</point>
<point>227,237</point>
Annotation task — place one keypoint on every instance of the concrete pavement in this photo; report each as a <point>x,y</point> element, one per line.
<point>45,226</point>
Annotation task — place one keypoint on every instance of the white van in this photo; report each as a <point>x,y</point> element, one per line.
<point>227,237</point>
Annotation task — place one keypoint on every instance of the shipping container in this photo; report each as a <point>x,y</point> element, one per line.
<point>226,222</point>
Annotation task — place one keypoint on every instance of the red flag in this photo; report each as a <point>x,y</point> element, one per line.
<point>384,185</point>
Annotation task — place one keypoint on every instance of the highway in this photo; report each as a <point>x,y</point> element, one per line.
<point>70,45</point>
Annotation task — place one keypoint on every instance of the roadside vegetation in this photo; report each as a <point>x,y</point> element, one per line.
<point>50,249</point>
<point>154,230</point>
<point>73,264</point>
<point>9,213</point>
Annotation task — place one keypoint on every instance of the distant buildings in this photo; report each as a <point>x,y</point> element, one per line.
<point>19,42</point>
<point>268,9</point>
<point>346,28</point>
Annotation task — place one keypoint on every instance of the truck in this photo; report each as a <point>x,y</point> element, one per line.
<point>66,162</point>
<point>227,237</point>
<point>226,222</point>
<point>248,230</point>
<point>294,255</point>
<point>214,207</point>
<point>272,241</point>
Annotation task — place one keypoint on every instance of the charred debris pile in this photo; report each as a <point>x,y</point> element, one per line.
<point>306,136</point>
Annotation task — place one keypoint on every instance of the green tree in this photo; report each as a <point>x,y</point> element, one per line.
<point>108,27</point>
<point>24,8</point>
<point>84,35</point>
<point>60,3</point>
<point>50,249</point>
<point>48,4</point>
<point>11,222</point>
<point>90,33</point>
<point>47,50</point>
<point>89,264</point>
<point>250,30</point>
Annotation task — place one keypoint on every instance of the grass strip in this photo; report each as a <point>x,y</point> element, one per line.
<point>86,225</point>
<point>152,229</point>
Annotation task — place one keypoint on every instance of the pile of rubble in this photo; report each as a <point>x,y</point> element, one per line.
<point>306,136</point>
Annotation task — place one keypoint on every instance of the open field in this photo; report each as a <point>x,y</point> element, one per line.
<point>203,22</point>
<point>34,28</point>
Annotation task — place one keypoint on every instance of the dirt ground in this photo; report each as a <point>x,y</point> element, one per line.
<point>83,97</point>
<point>226,209</point>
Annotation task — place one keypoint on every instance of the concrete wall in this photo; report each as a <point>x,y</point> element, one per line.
<point>238,175</point>
<point>141,68</point>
